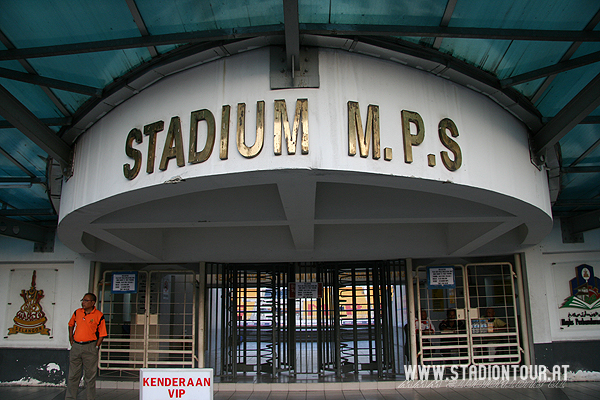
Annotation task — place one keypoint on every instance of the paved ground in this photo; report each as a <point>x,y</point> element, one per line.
<point>570,391</point>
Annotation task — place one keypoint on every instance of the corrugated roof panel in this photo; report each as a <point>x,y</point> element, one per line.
<point>564,87</point>
<point>24,151</point>
<point>91,69</point>
<point>529,89</point>
<point>96,70</point>
<point>12,64</point>
<point>189,16</point>
<point>524,14</point>
<point>32,97</point>
<point>506,58</point>
<point>577,142</point>
<point>592,159</point>
<point>72,101</point>
<point>28,198</point>
<point>482,53</point>
<point>314,11</point>
<point>53,22</point>
<point>388,12</point>
<point>522,56</point>
<point>580,186</point>
<point>166,48</point>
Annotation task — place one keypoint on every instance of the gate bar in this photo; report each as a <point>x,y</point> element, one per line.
<point>523,311</point>
<point>411,311</point>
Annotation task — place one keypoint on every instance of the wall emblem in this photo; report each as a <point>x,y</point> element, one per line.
<point>584,287</point>
<point>30,318</point>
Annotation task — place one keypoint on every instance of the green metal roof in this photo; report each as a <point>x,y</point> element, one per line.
<point>63,64</point>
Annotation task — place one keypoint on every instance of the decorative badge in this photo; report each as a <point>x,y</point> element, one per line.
<point>30,318</point>
<point>584,290</point>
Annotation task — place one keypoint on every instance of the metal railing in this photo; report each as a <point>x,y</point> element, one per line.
<point>153,327</point>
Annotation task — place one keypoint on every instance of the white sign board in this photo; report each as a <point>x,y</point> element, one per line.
<point>176,383</point>
<point>441,277</point>
<point>305,290</point>
<point>124,282</point>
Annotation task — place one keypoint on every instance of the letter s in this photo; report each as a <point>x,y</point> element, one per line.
<point>448,124</point>
<point>136,155</point>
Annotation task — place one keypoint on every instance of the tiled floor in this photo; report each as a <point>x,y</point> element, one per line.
<point>571,391</point>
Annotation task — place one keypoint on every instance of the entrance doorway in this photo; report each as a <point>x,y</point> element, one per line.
<point>154,326</point>
<point>305,322</point>
<point>474,320</point>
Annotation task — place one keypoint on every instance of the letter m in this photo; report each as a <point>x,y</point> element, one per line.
<point>282,123</point>
<point>356,133</point>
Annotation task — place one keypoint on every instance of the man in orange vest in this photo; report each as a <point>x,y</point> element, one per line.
<point>87,330</point>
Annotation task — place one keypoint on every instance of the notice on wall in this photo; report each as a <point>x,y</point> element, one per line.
<point>305,290</point>
<point>124,282</point>
<point>441,278</point>
<point>176,383</point>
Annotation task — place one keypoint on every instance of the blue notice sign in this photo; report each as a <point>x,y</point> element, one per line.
<point>124,282</point>
<point>441,278</point>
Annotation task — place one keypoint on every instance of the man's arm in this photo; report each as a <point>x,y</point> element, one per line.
<point>71,340</point>
<point>101,333</point>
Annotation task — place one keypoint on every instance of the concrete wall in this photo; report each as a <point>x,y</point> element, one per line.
<point>559,335</point>
<point>64,277</point>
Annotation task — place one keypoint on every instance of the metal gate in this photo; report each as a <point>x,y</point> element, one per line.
<point>354,326</point>
<point>153,327</point>
<point>475,322</point>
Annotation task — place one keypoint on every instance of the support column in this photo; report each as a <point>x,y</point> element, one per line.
<point>522,311</point>
<point>411,311</point>
<point>200,334</point>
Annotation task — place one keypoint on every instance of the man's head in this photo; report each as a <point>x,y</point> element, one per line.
<point>490,313</point>
<point>88,301</point>
<point>451,314</point>
<point>423,314</point>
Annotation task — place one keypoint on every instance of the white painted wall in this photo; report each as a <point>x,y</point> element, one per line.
<point>550,266</point>
<point>493,142</point>
<point>68,285</point>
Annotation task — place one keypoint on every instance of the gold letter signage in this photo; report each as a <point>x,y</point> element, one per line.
<point>173,147</point>
<point>30,318</point>
<point>355,131</point>
<point>409,140</point>
<point>359,138</point>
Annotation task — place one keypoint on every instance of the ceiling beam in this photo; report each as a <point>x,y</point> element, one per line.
<point>49,82</point>
<point>451,32</point>
<point>46,121</point>
<point>25,64</point>
<point>551,70</point>
<point>15,180</point>
<point>139,21</point>
<point>24,230</point>
<point>578,203</point>
<point>25,121</point>
<point>445,21</point>
<point>583,222</point>
<point>568,54</point>
<point>591,119</point>
<point>580,170</point>
<point>26,212</point>
<point>292,34</point>
<point>137,42</point>
<point>586,101</point>
<point>318,29</point>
